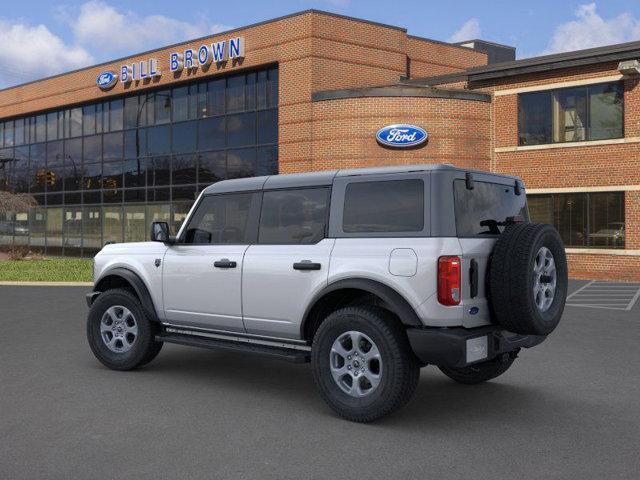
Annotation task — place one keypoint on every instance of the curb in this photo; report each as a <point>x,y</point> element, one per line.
<point>47,284</point>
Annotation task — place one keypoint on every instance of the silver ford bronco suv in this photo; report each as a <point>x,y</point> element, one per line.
<point>368,274</point>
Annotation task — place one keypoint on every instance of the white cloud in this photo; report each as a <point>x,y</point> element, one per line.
<point>469,31</point>
<point>591,30</point>
<point>28,52</point>
<point>98,32</point>
<point>104,29</point>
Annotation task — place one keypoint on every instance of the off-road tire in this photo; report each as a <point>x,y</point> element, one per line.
<point>480,372</point>
<point>512,278</point>
<point>143,350</point>
<point>400,370</point>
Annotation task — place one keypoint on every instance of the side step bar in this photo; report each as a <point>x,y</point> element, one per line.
<point>280,353</point>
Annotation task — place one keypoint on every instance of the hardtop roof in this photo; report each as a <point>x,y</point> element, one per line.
<point>326,178</point>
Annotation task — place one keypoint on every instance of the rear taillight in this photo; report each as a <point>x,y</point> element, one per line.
<point>449,280</point>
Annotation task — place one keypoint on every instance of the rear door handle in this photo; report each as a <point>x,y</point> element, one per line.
<point>306,265</point>
<point>224,263</point>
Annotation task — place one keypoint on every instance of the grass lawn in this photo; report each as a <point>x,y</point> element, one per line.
<point>46,270</point>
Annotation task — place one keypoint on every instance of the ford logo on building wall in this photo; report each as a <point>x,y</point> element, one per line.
<point>401,136</point>
<point>106,80</point>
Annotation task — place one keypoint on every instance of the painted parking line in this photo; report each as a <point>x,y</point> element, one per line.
<point>611,296</point>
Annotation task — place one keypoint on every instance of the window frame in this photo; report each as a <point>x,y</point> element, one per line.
<point>251,233</point>
<point>552,92</point>
<point>325,233</point>
<point>338,196</point>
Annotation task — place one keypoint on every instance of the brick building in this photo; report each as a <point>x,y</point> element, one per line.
<point>108,149</point>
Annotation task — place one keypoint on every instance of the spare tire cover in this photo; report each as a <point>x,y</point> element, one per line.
<point>528,279</point>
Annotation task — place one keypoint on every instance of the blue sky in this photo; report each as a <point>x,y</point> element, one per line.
<point>43,37</point>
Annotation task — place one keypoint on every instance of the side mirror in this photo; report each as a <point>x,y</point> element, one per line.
<point>160,232</point>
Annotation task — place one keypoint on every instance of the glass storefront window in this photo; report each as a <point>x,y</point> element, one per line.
<point>72,230</point>
<point>95,168</point>
<point>112,224</point>
<point>184,136</point>
<point>134,223</point>
<point>54,231</point>
<point>37,227</point>
<point>91,229</point>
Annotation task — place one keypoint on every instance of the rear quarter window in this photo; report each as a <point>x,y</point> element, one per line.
<point>480,211</point>
<point>384,206</point>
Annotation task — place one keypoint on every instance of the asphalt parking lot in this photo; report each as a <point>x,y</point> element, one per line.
<point>569,408</point>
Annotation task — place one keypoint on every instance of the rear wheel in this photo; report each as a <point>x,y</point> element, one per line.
<point>363,364</point>
<point>480,372</point>
<point>119,333</point>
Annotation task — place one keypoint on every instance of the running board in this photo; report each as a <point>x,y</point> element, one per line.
<point>280,353</point>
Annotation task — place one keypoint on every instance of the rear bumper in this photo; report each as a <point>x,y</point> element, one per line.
<point>459,347</point>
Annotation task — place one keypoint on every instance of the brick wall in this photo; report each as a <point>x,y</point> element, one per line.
<point>344,132</point>
<point>429,58</point>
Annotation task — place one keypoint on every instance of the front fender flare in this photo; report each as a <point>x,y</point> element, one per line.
<point>136,283</point>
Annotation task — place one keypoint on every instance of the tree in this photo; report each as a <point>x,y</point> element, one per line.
<point>16,202</point>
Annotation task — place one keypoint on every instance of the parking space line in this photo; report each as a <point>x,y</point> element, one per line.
<point>633,300</point>
<point>581,288</point>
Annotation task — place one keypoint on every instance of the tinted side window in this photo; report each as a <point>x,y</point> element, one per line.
<point>479,211</point>
<point>220,219</point>
<point>294,216</point>
<point>388,206</point>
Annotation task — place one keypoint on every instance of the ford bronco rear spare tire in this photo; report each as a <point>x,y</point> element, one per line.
<point>528,279</point>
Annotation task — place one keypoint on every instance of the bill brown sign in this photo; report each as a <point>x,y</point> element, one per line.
<point>189,59</point>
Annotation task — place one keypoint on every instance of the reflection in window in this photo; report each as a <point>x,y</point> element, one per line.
<point>115,115</point>
<point>220,219</point>
<point>112,146</point>
<point>37,227</point>
<point>212,167</point>
<point>593,112</point>
<point>294,216</point>
<point>241,163</point>
<point>241,129</point>
<point>70,159</point>
<point>593,220</point>
<point>235,93</point>
<point>162,107</point>
<point>72,230</point>
<point>211,133</point>
<point>92,229</point>
<point>134,223</point>
<point>159,140</point>
<point>387,206</point>
<point>184,137</point>
<point>112,224</point>
<point>184,169</point>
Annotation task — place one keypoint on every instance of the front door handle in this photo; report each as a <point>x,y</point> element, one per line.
<point>306,265</point>
<point>224,263</point>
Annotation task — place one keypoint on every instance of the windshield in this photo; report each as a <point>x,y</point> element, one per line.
<point>485,209</point>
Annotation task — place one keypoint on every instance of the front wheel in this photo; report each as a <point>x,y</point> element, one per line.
<point>119,333</point>
<point>363,364</point>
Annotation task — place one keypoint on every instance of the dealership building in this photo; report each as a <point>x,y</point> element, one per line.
<point>105,150</point>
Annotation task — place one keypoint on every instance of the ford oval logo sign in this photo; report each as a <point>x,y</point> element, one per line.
<point>106,80</point>
<point>401,136</point>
